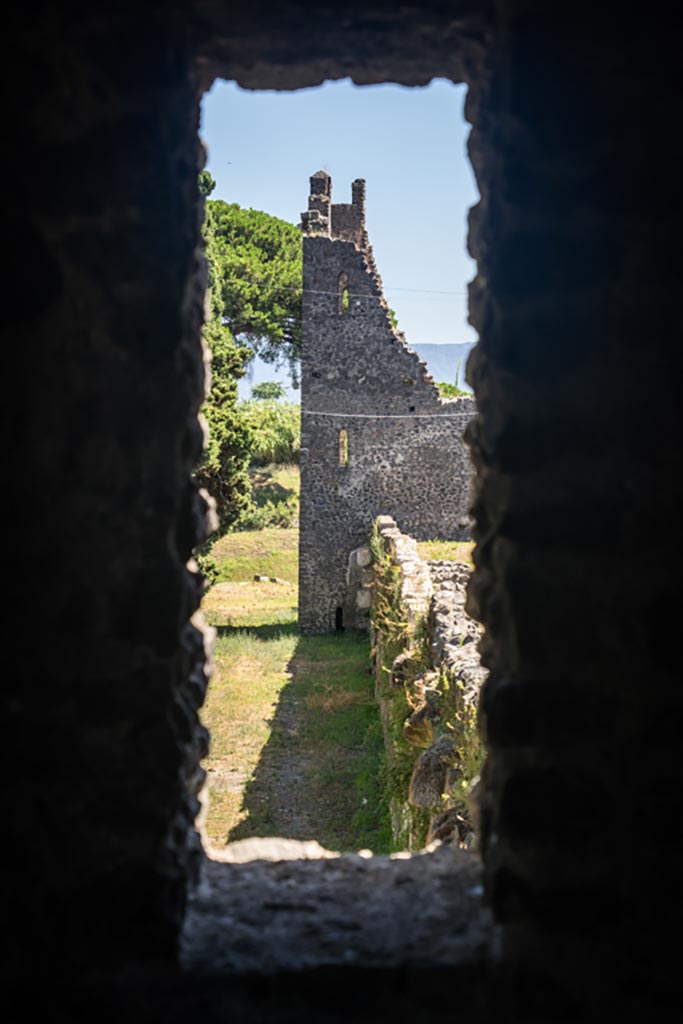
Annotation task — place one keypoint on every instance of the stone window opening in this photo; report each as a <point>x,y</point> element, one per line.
<point>118,676</point>
<point>201,926</point>
<point>343,449</point>
<point>344,300</point>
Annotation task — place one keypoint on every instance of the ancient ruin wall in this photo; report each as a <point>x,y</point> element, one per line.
<point>578,502</point>
<point>428,676</point>
<point>376,436</point>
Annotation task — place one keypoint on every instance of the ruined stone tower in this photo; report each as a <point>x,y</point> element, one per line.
<point>376,437</point>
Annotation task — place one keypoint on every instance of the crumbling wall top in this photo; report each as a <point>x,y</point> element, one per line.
<point>339,221</point>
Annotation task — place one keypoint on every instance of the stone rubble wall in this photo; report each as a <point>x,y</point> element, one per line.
<point>427,679</point>
<point>454,636</point>
<point>417,588</point>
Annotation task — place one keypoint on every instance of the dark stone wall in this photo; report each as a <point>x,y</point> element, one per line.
<point>406,452</point>
<point>578,504</point>
<point>107,284</point>
<point>577,500</point>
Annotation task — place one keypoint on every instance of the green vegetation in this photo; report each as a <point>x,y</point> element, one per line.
<point>268,391</point>
<point>206,183</point>
<point>296,745</point>
<point>298,748</point>
<point>394,635</point>
<point>462,721</point>
<point>401,654</point>
<point>274,428</point>
<point>255,280</point>
<point>447,390</point>
<point>224,468</point>
<point>248,603</point>
<point>450,390</point>
<point>256,272</point>
<point>451,550</point>
<point>275,498</point>
<point>270,552</point>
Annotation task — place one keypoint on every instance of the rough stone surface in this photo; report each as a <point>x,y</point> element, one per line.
<point>430,774</point>
<point>454,636</point>
<point>272,916</point>
<point>577,495</point>
<point>437,674</point>
<point>419,728</point>
<point>404,452</point>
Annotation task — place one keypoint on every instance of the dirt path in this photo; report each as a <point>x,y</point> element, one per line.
<point>306,782</point>
<point>295,741</point>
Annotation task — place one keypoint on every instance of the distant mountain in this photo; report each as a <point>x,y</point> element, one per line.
<point>443,361</point>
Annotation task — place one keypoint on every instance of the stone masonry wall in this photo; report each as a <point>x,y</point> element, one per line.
<point>405,450</point>
<point>578,496</point>
<point>428,676</point>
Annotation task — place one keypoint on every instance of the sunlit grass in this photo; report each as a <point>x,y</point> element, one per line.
<point>272,481</point>
<point>453,550</point>
<point>292,719</point>
<point>251,604</point>
<point>270,552</point>
<point>265,677</point>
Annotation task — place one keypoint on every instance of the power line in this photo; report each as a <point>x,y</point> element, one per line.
<point>425,291</point>
<point>409,343</point>
<point>356,295</point>
<point>391,416</point>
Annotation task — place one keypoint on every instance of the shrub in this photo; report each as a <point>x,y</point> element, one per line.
<point>224,468</point>
<point>450,390</point>
<point>268,390</point>
<point>282,512</point>
<point>275,429</point>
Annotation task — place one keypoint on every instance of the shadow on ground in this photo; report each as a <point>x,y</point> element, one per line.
<point>265,632</point>
<point>319,774</point>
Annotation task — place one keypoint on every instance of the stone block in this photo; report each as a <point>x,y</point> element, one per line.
<point>364,556</point>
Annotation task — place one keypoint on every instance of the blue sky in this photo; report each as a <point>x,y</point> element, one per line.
<point>408,144</point>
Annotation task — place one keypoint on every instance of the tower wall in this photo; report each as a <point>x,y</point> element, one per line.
<point>402,452</point>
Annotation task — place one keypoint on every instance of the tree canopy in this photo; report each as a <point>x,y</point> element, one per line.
<point>268,391</point>
<point>224,469</point>
<point>206,183</point>
<point>255,277</point>
<point>256,267</point>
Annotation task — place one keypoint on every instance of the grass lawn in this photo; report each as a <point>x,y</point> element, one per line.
<point>270,552</point>
<point>272,483</point>
<point>454,550</point>
<point>246,603</point>
<point>296,744</point>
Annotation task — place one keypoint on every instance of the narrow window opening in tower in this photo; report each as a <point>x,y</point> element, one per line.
<point>343,292</point>
<point>343,449</point>
<point>291,568</point>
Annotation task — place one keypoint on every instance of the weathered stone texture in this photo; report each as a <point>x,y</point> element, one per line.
<point>575,499</point>
<point>308,909</point>
<point>106,738</point>
<point>577,376</point>
<point>436,673</point>
<point>406,453</point>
